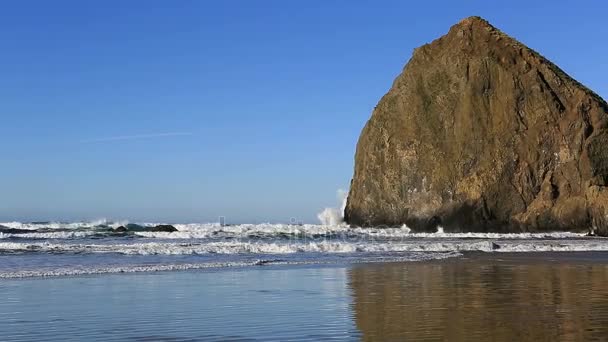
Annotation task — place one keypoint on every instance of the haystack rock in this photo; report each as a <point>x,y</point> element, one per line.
<point>481,133</point>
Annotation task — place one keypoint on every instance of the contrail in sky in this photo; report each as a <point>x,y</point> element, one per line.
<point>137,137</point>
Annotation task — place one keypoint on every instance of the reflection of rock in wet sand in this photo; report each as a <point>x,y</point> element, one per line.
<point>481,300</point>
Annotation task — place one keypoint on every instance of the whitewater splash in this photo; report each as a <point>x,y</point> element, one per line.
<point>334,216</point>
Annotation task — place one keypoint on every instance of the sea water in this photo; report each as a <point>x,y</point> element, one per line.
<point>59,249</point>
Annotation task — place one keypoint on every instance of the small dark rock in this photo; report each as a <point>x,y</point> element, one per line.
<point>135,227</point>
<point>121,229</point>
<point>164,228</point>
<point>495,246</point>
<point>131,227</point>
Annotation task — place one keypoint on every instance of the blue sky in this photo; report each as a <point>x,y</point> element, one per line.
<point>183,111</point>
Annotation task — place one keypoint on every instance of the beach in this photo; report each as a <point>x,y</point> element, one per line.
<point>476,296</point>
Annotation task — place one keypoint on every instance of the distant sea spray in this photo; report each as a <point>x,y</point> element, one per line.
<point>334,216</point>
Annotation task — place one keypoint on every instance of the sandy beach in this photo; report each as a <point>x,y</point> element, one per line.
<point>480,296</point>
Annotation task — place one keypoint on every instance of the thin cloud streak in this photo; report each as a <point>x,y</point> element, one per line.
<point>137,137</point>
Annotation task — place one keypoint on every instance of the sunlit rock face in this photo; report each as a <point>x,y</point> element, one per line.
<point>481,133</point>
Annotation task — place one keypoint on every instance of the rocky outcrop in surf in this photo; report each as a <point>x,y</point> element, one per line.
<point>131,227</point>
<point>481,133</point>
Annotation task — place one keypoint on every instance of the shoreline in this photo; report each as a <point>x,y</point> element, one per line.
<point>462,258</point>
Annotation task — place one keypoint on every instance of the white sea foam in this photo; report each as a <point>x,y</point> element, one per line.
<point>239,244</point>
<point>49,235</point>
<point>73,271</point>
<point>265,230</point>
<point>199,231</point>
<point>303,246</point>
<point>62,225</point>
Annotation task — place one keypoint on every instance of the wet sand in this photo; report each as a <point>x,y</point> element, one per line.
<point>476,297</point>
<point>485,297</point>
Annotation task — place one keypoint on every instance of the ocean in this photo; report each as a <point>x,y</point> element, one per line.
<point>82,281</point>
<point>58,249</point>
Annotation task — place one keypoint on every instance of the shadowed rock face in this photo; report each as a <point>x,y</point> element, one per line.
<point>481,133</point>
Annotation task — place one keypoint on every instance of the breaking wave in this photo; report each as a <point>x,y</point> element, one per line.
<point>266,230</point>
<point>323,246</point>
<point>56,248</point>
<point>101,223</point>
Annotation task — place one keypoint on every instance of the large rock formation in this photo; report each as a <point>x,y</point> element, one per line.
<point>481,133</point>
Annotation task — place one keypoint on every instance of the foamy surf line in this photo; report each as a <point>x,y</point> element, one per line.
<point>213,230</point>
<point>337,232</point>
<point>78,271</point>
<point>49,235</point>
<point>291,247</point>
<point>62,225</point>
